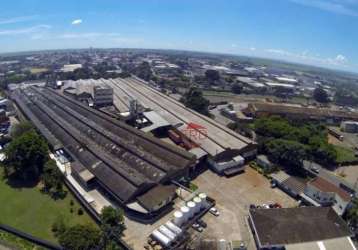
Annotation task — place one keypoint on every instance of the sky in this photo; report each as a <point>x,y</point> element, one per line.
<point>316,32</point>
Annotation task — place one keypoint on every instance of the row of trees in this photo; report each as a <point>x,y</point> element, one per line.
<point>80,237</point>
<point>290,143</point>
<point>27,160</point>
<point>195,100</point>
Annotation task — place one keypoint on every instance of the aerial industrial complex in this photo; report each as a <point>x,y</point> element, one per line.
<point>123,161</point>
<point>225,150</point>
<point>191,151</point>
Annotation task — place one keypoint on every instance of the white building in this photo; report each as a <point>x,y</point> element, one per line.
<point>325,193</point>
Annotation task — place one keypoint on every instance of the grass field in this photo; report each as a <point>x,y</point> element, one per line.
<point>38,70</point>
<point>345,154</point>
<point>31,211</point>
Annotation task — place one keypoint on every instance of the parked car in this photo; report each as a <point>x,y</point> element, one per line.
<point>214,211</point>
<point>197,227</point>
<point>265,206</point>
<point>202,223</point>
<point>315,169</point>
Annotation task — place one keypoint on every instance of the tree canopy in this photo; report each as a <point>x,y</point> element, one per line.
<point>52,178</point>
<point>281,138</point>
<point>21,128</point>
<point>320,95</point>
<point>194,99</point>
<point>26,155</point>
<point>112,225</point>
<point>236,88</point>
<point>212,75</point>
<point>80,237</point>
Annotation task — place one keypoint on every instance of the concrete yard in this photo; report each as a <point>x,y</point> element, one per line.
<point>136,234</point>
<point>233,197</point>
<point>348,173</point>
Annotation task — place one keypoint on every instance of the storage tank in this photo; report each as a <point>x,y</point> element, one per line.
<point>161,238</point>
<point>164,230</point>
<point>191,205</point>
<point>186,213</point>
<point>198,204</point>
<point>173,228</point>
<point>203,197</point>
<point>178,218</point>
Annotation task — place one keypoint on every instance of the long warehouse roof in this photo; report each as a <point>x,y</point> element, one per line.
<point>113,152</point>
<point>214,138</point>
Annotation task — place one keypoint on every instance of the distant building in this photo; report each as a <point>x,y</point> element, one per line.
<point>297,112</point>
<point>349,126</point>
<point>314,228</point>
<point>71,67</point>
<point>286,80</point>
<point>102,96</point>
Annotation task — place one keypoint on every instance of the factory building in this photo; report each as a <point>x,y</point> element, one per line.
<point>314,228</point>
<point>297,112</point>
<point>151,111</point>
<point>92,93</point>
<point>349,126</point>
<point>124,163</point>
<point>102,96</point>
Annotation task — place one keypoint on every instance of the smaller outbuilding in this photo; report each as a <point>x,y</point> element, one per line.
<point>299,228</point>
<point>264,162</point>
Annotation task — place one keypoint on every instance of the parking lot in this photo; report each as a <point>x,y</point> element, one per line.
<point>233,197</point>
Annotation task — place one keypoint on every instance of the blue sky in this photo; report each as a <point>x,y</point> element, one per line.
<point>317,32</point>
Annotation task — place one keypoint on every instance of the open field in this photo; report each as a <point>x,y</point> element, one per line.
<point>345,154</point>
<point>33,212</point>
<point>38,70</point>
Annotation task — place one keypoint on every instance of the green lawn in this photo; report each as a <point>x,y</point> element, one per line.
<point>345,154</point>
<point>30,210</point>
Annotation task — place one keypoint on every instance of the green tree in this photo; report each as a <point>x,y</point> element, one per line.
<point>52,178</point>
<point>352,213</point>
<point>320,95</point>
<point>59,226</point>
<point>236,88</point>
<point>212,75</point>
<point>80,237</point>
<point>26,155</point>
<point>194,99</point>
<point>112,224</point>
<point>21,128</point>
<point>288,153</point>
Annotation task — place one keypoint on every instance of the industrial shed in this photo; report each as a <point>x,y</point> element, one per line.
<point>289,111</point>
<point>123,161</point>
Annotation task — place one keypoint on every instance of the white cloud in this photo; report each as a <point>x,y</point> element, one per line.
<point>88,35</point>
<point>305,57</point>
<point>343,7</point>
<point>17,19</point>
<point>341,58</point>
<point>33,29</point>
<point>76,22</point>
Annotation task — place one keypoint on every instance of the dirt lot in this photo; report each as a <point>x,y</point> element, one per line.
<point>234,196</point>
<point>349,173</point>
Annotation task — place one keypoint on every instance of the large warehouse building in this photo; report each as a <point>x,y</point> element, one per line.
<point>226,149</point>
<point>297,112</point>
<point>126,163</point>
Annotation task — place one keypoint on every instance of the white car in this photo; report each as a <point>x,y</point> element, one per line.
<point>214,211</point>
